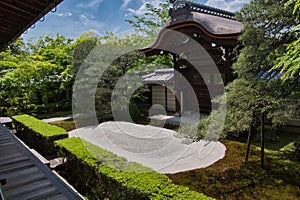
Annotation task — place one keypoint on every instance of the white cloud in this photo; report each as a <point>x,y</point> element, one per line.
<point>66,14</point>
<point>125,4</point>
<point>142,9</point>
<point>83,19</point>
<point>232,6</point>
<point>89,4</point>
<point>87,23</point>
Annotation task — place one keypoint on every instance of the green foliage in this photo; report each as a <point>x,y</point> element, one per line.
<point>297,148</point>
<point>17,48</point>
<point>197,131</point>
<point>289,61</point>
<point>128,40</point>
<point>34,77</point>
<point>125,180</point>
<point>37,76</point>
<point>245,97</point>
<point>124,68</point>
<point>152,21</point>
<point>83,45</point>
<point>267,27</point>
<point>8,62</point>
<point>39,126</point>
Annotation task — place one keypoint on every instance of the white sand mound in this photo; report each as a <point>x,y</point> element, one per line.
<point>153,147</point>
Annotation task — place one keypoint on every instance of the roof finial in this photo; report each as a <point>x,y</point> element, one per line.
<point>177,4</point>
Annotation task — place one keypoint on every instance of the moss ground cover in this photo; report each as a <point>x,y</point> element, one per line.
<point>68,125</point>
<point>232,178</point>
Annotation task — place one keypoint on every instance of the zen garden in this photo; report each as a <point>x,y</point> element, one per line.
<point>196,103</point>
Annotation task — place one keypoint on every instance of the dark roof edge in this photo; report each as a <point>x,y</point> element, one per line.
<point>52,5</point>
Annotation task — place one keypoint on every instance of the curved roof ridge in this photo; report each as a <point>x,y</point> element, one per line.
<point>201,8</point>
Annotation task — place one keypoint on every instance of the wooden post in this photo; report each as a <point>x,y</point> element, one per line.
<point>166,98</point>
<point>262,138</point>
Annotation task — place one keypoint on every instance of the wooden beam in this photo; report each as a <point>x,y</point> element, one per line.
<point>17,8</point>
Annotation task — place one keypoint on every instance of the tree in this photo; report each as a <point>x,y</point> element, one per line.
<point>289,60</point>
<point>32,78</point>
<point>268,28</point>
<point>119,69</point>
<point>151,23</point>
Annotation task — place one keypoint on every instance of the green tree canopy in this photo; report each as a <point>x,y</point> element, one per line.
<point>268,29</point>
<point>32,73</point>
<point>152,21</point>
<point>289,61</point>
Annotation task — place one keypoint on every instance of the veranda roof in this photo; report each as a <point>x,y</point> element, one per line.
<point>16,16</point>
<point>160,76</point>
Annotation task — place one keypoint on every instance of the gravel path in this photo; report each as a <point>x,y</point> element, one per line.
<point>153,147</point>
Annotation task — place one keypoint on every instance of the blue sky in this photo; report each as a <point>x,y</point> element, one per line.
<point>73,17</point>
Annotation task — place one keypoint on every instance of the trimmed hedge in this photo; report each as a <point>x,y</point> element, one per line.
<point>37,134</point>
<point>89,169</point>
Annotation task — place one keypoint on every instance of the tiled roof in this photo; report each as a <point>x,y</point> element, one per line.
<point>217,25</point>
<point>265,74</point>
<point>160,76</point>
<point>213,20</point>
<point>26,176</point>
<point>214,24</point>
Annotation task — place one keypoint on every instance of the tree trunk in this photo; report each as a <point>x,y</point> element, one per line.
<point>249,137</point>
<point>262,138</point>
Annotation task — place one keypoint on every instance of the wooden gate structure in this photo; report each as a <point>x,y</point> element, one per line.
<point>214,30</point>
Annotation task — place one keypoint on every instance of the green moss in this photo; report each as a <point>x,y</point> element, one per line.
<point>39,126</point>
<point>68,125</point>
<point>130,178</point>
<point>233,178</point>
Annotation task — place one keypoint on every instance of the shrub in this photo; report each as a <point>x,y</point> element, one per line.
<point>102,174</point>
<point>204,129</point>
<point>38,134</point>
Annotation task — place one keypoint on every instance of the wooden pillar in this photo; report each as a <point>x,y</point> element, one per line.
<point>166,98</point>
<point>181,102</point>
<point>177,87</point>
